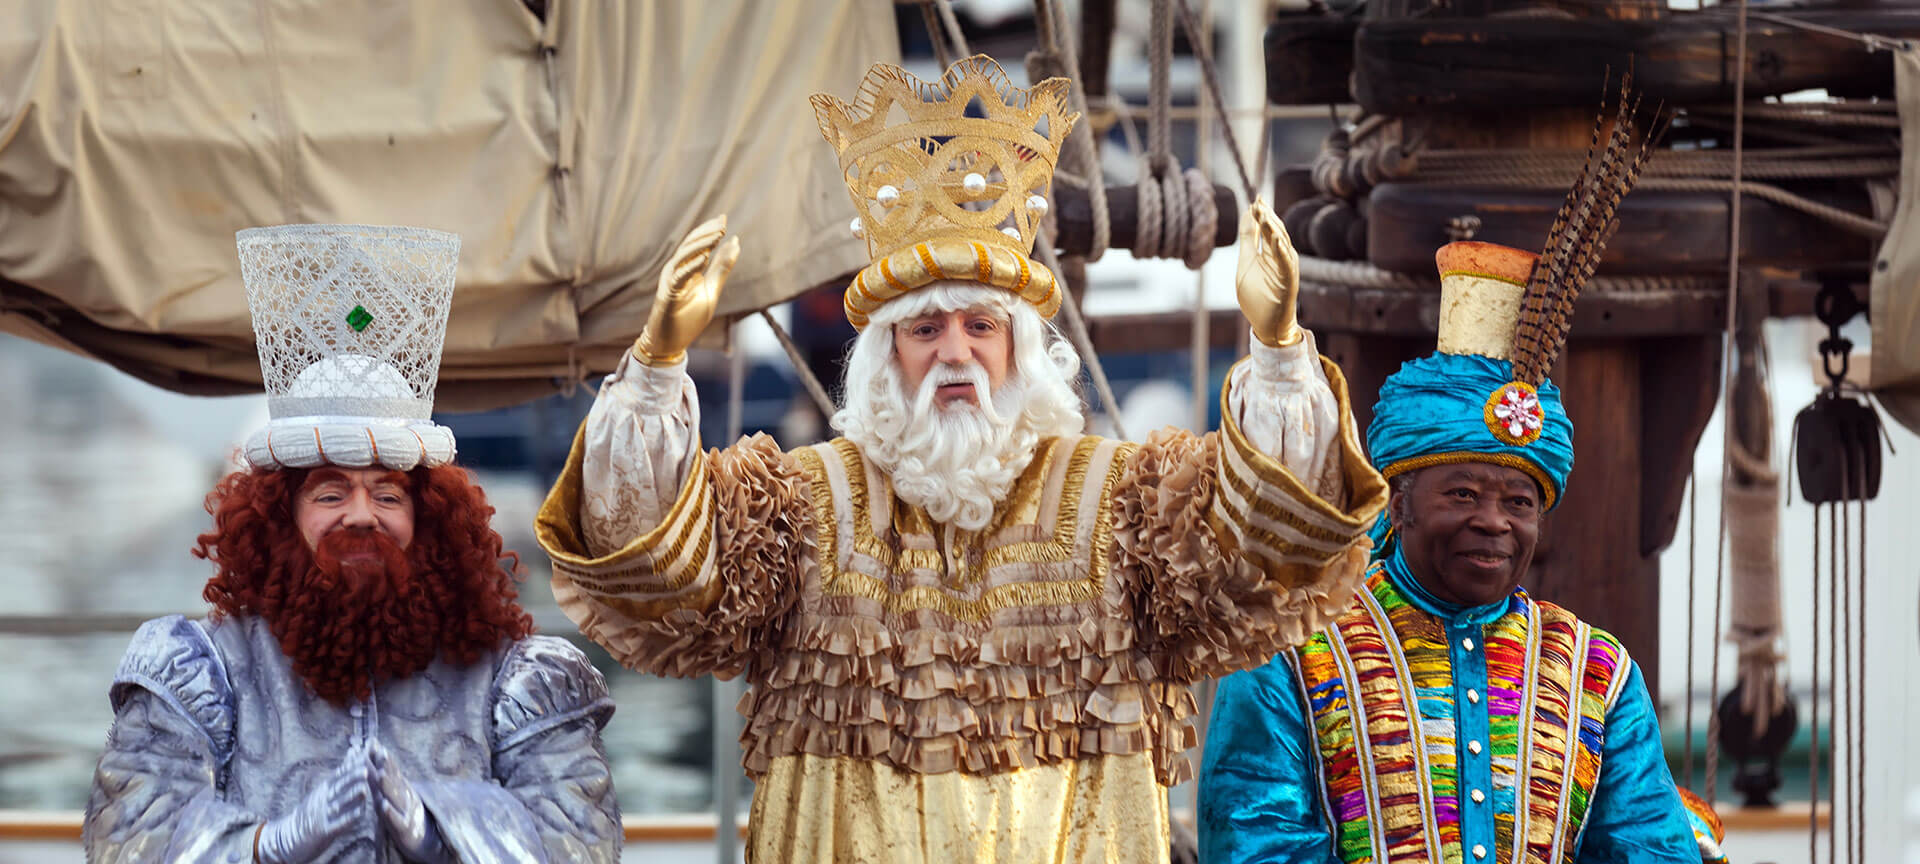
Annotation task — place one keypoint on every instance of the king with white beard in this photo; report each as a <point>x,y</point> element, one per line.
<point>968,628</point>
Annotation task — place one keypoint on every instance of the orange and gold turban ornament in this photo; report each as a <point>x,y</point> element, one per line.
<point>950,179</point>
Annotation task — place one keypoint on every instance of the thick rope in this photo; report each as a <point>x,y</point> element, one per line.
<point>953,28</point>
<point>1860,676</point>
<point>1159,156</point>
<point>1834,615</point>
<point>1728,441</point>
<point>1077,331</point>
<point>1211,75</point>
<point>1360,274</point>
<point>941,52</point>
<point>1199,248</point>
<point>1693,544</point>
<point>1061,58</point>
<point>1874,42</point>
<point>814,388</point>
<point>1813,726</point>
<point>1076,325</point>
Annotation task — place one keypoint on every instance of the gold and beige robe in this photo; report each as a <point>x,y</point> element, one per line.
<point>923,693</point>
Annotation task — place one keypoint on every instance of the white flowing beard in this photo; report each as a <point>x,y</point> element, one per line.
<point>959,459</point>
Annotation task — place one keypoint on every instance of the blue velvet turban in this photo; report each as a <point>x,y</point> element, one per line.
<point>1451,408</point>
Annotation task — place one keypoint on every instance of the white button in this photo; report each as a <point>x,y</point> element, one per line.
<point>353,710</point>
<point>1479,851</point>
<point>1467,643</point>
<point>1479,796</point>
<point>1473,747</point>
<point>1473,696</point>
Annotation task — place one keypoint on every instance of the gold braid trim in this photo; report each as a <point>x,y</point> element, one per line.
<point>1459,457</point>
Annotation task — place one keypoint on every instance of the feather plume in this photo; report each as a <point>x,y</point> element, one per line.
<point>1578,236</point>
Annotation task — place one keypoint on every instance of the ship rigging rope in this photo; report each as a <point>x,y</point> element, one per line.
<point>1058,56</point>
<point>1728,439</point>
<point>1360,274</point>
<point>1076,325</point>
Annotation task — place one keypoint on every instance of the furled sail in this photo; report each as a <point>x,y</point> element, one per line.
<point>569,143</point>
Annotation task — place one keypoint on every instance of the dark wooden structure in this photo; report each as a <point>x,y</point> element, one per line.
<point>1641,375</point>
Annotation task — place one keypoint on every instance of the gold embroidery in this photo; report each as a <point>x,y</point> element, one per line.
<point>598,581</point>
<point>827,533</point>
<point>1058,549</point>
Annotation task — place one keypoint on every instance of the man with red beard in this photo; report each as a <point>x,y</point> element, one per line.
<point>365,688</point>
<point>969,628</point>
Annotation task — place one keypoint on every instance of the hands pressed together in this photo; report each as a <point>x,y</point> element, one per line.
<point>367,784</point>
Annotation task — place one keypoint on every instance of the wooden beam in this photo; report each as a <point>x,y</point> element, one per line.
<point>1423,65</point>
<point>1075,215</point>
<point>1662,231</point>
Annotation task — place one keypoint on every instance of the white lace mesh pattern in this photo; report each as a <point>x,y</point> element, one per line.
<point>349,319</point>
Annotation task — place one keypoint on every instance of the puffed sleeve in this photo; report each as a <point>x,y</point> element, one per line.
<point>1261,796</point>
<point>155,794</point>
<point>552,796</point>
<point>706,589</point>
<point>1231,556</point>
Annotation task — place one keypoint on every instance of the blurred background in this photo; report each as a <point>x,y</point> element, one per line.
<point>103,473</point>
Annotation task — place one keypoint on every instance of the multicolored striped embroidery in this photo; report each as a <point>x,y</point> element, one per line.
<point>1379,683</point>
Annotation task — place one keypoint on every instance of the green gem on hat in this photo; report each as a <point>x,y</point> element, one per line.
<point>359,318</point>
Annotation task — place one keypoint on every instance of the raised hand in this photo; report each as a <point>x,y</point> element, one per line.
<point>689,289</point>
<point>402,812</point>
<point>336,809</point>
<point>1268,278</point>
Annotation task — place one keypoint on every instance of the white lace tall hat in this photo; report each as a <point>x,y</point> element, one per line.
<point>349,320</point>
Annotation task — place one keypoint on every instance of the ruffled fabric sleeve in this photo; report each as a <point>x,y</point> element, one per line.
<point>552,799</point>
<point>709,586</point>
<point>156,792</point>
<point>1230,556</point>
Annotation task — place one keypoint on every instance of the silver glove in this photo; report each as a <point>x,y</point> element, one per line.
<point>334,810</point>
<point>401,811</point>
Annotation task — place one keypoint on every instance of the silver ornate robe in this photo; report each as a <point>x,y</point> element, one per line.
<point>213,733</point>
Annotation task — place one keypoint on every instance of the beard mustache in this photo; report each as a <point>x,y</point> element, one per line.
<point>356,613</point>
<point>958,459</point>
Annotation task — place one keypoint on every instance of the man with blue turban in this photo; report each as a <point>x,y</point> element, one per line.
<point>1447,715</point>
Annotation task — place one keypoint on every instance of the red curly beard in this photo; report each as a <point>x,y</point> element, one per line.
<point>359,610</point>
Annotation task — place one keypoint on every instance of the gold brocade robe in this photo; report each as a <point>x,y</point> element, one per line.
<point>922,693</point>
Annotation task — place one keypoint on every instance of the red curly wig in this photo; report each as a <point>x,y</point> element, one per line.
<point>448,594</point>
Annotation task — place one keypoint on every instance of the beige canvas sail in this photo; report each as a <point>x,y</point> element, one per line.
<point>570,153</point>
<point>1895,375</point>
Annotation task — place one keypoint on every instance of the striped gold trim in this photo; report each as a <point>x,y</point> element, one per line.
<point>983,266</point>
<point>1265,507</point>
<point>893,283</point>
<point>1364,485</point>
<point>926,260</point>
<point>556,525</point>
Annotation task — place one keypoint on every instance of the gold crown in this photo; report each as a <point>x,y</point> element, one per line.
<point>950,178</point>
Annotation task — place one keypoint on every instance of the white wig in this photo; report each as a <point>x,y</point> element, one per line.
<point>1038,400</point>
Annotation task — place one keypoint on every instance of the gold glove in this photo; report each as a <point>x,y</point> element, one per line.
<point>689,289</point>
<point>1268,278</point>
